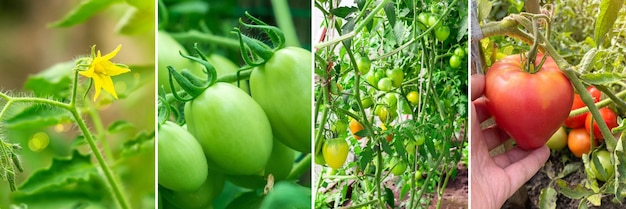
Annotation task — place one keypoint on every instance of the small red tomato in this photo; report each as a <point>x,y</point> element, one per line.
<point>595,93</point>
<point>579,120</point>
<point>610,119</point>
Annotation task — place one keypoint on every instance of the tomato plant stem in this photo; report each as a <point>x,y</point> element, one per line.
<point>284,21</point>
<point>100,132</point>
<point>115,186</point>
<point>302,166</point>
<point>194,35</point>
<point>601,104</point>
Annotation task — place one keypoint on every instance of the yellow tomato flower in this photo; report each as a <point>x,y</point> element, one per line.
<point>101,69</point>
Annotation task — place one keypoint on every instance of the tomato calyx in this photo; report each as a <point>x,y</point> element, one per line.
<point>190,83</point>
<point>254,52</point>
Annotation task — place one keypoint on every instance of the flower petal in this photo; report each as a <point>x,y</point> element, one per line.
<point>112,54</point>
<point>97,83</point>
<point>113,70</point>
<point>107,85</point>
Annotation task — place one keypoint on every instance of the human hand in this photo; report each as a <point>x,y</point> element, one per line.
<point>495,179</point>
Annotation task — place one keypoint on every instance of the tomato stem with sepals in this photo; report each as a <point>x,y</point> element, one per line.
<point>253,48</point>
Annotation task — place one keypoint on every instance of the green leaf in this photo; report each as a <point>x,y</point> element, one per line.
<point>63,171</point>
<point>569,169</point>
<point>54,81</point>
<point>80,193</point>
<point>136,21</point>
<point>609,10</point>
<point>343,12</point>
<point>137,144</point>
<point>389,199</point>
<point>484,8</point>
<point>602,78</point>
<point>365,157</point>
<point>38,116</point>
<point>287,195</point>
<point>547,198</point>
<point>595,199</point>
<point>119,126</point>
<point>347,28</point>
<point>82,12</point>
<point>164,110</point>
<point>573,192</point>
<point>390,11</point>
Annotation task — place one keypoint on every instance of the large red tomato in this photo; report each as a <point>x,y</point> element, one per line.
<point>530,107</point>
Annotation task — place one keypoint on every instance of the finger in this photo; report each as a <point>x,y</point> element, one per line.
<point>494,136</point>
<point>478,85</point>
<point>525,168</point>
<point>482,113</point>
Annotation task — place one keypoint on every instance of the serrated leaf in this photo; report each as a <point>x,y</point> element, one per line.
<point>547,198</point>
<point>54,81</point>
<point>347,28</point>
<point>463,30</point>
<point>595,199</point>
<point>609,10</point>
<point>62,172</point>
<point>603,78</point>
<point>569,169</point>
<point>136,21</point>
<point>37,116</point>
<point>365,157</point>
<point>484,8</point>
<point>390,11</point>
<point>135,145</point>
<point>572,191</point>
<point>82,12</point>
<point>119,126</point>
<point>77,194</point>
<point>343,12</point>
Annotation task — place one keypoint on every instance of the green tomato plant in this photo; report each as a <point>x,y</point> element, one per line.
<point>409,107</point>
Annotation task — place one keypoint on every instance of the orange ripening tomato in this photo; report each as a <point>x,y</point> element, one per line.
<point>579,142</point>
<point>355,127</point>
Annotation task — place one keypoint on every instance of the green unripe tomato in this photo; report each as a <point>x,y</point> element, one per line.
<point>234,131</point>
<point>432,20</point>
<point>459,52</point>
<point>339,127</point>
<point>182,166</point>
<point>605,160</point>
<point>385,84</point>
<point>286,75</point>
<point>364,64</point>
<point>371,78</point>
<point>367,102</point>
<point>168,55</point>
<point>558,140</point>
<point>442,33</point>
<point>280,164</point>
<point>455,61</point>
<point>419,140</point>
<point>400,166</point>
<point>423,18</point>
<point>413,97</point>
<point>319,159</point>
<point>391,100</point>
<point>397,76</point>
<point>201,198</point>
<point>335,152</point>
